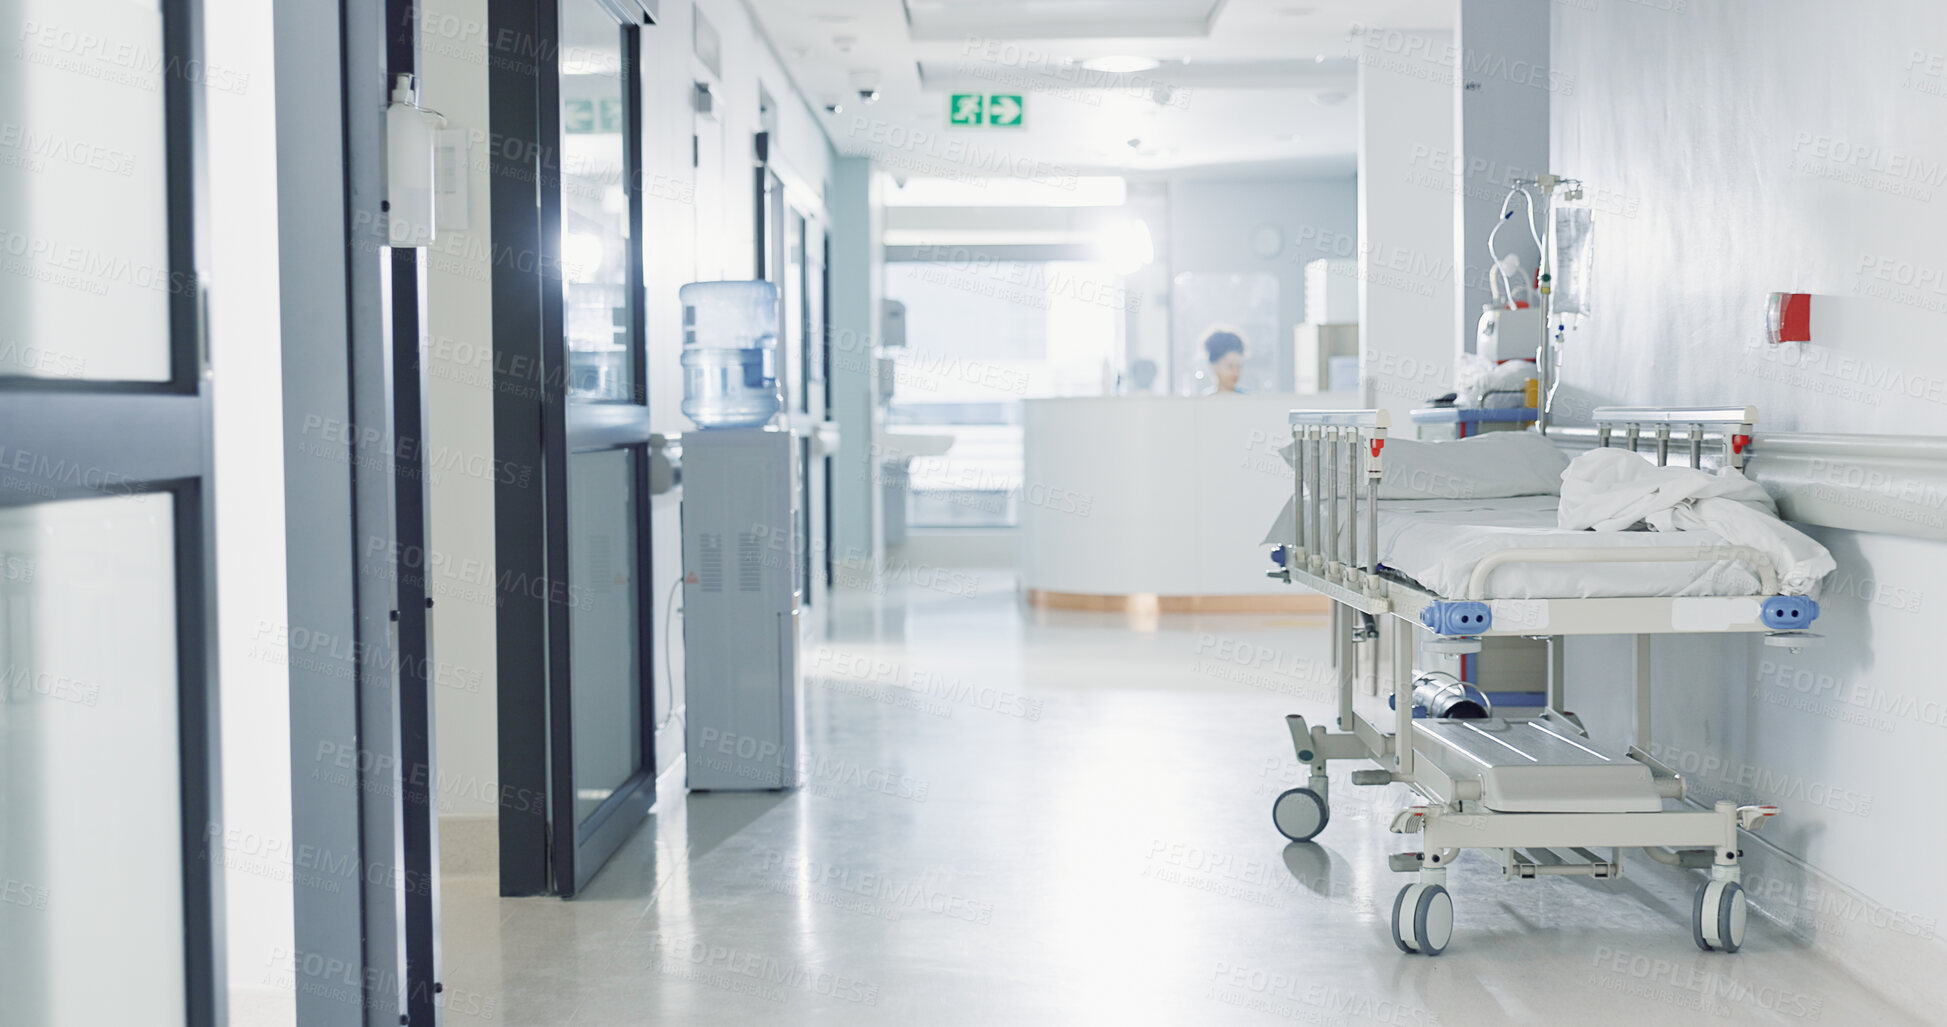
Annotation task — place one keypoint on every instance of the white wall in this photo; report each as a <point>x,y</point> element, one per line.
<point>677,206</point>
<point>1407,323</point>
<point>1213,223</point>
<point>1501,137</point>
<point>249,472</point>
<point>454,51</point>
<point>1732,150</point>
<point>460,391</point>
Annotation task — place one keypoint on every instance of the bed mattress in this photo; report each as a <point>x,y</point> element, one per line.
<point>1437,542</point>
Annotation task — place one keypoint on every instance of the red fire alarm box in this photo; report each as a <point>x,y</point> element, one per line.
<point>1789,318</point>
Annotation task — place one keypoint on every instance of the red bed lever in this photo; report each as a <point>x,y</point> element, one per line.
<point>1377,445</point>
<point>1739,442</point>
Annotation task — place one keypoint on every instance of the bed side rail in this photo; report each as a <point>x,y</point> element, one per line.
<point>1334,449</point>
<point>1732,427</point>
<point>1345,418</point>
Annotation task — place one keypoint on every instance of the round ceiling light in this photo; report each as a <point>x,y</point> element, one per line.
<point>1122,64</point>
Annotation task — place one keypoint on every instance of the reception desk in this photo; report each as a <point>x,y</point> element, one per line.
<point>1158,501</point>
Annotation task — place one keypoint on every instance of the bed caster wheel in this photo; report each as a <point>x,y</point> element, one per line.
<point>1423,919</point>
<point>1717,917</point>
<point>1300,814</point>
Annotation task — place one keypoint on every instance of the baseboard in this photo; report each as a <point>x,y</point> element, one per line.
<point>262,1006</point>
<point>1895,952</point>
<point>469,846</point>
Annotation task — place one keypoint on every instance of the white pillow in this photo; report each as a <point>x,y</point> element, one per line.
<point>1496,465</point>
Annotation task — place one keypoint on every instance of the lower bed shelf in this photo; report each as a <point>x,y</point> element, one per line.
<point>1533,766</point>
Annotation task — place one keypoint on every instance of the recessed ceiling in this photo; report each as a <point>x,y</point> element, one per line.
<point>1248,86</point>
<point>1059,19</point>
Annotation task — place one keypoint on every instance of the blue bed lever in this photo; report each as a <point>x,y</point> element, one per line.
<point>1457,617</point>
<point>1789,613</point>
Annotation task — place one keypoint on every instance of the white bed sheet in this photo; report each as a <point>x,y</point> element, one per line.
<point>1438,542</point>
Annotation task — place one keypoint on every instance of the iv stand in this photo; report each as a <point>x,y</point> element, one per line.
<point>1544,358</point>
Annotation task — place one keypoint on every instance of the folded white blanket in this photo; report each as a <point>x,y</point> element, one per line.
<point>1614,490</point>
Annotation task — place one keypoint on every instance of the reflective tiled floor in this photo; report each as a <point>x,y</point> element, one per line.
<point>1019,817</point>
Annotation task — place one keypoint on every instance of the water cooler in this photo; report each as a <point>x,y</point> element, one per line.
<point>741,546</point>
<point>740,609</point>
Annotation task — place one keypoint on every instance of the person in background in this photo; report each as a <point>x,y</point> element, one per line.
<point>1225,350</point>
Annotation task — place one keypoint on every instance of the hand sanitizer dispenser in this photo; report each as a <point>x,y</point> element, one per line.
<point>411,132</point>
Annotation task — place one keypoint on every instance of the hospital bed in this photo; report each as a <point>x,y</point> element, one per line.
<point>1533,791</point>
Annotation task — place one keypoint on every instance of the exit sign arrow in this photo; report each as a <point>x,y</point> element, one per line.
<point>1004,110</point>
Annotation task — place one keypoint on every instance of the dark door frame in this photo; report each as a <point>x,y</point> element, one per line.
<point>356,532</point>
<point>823,326</point>
<point>542,848</point>
<point>418,779</point>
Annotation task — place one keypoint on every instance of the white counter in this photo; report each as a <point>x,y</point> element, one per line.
<point>1167,496</point>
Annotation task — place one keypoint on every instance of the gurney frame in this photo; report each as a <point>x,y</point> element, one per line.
<point>1338,463</point>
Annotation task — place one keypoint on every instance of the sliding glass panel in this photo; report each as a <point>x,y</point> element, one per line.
<point>605,659</point>
<point>91,874</point>
<point>594,205</point>
<point>84,266</point>
<point>598,740</point>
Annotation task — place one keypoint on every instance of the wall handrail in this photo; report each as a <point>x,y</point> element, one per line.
<point>1885,484</point>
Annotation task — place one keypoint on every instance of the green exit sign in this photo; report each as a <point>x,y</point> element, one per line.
<point>588,116</point>
<point>996,110</point>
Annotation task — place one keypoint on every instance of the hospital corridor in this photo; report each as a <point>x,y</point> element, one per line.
<point>931,866</point>
<point>596,513</point>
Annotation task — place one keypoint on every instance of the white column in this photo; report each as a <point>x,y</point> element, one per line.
<point>857,276</point>
<point>1407,323</point>
<point>1502,111</point>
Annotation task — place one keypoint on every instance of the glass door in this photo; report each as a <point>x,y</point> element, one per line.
<point>106,568</point>
<point>782,260</point>
<point>601,740</point>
